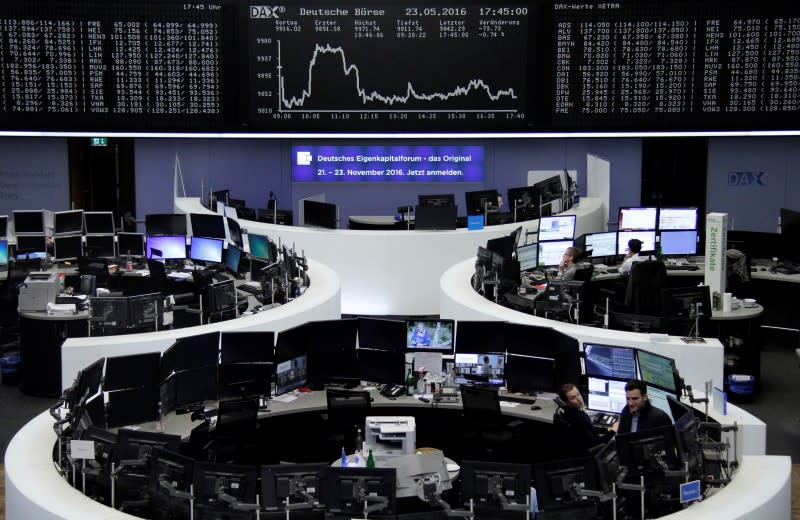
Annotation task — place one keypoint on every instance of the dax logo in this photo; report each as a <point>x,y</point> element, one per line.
<point>745,178</point>
<point>304,158</point>
<point>265,11</point>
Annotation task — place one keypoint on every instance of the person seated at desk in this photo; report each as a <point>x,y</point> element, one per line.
<point>634,247</point>
<point>580,424</point>
<point>639,414</point>
<point>568,267</point>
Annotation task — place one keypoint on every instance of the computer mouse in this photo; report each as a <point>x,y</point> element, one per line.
<point>536,407</point>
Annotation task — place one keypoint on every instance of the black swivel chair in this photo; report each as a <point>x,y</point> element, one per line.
<point>187,301</point>
<point>485,433</point>
<point>643,295</point>
<point>233,439</point>
<point>347,410</point>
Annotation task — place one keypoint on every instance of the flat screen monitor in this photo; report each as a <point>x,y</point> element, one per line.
<point>29,222</point>
<point>218,196</point>
<point>132,371</point>
<point>482,337</point>
<point>435,218</point>
<point>247,347</point>
<point>636,322</point>
<point>3,226</point>
<point>475,368</point>
<point>199,350</point>
<point>165,224</point>
<point>235,232</point>
<point>679,242</point>
<point>444,199</point>
<point>68,222</point>
<point>345,489</point>
<point>130,244</point>
<point>257,273</point>
<point>176,471</point>
<point>566,298</point>
<point>320,214</point>
<point>503,246</point>
<point>677,219</point>
<point>207,250</point>
<point>656,370</point>
<point>240,380</point>
<point>606,395</point>
<point>299,484</point>
<point>217,484</point>
<point>686,303</point>
<point>551,253</point>
<point>602,244</point>
<point>478,202</point>
<point>140,445</point>
<point>196,386</point>
<point>381,334</point>
<point>490,486</point>
<point>87,383</point>
<point>145,311</point>
<point>647,238</point>
<point>221,299</point>
<point>384,367</point>
<point>528,257</point>
<point>291,374</point>
<point>233,255</point>
<point>649,450</point>
<point>530,374</point>
<point>100,246</point>
<point>3,252</point>
<point>556,483</point>
<point>561,227</point>
<point>133,406</point>
<point>109,313</point>
<point>790,223</point>
<point>660,399</point>
<point>609,361</point>
<point>430,335</point>
<point>99,222</point>
<point>32,244</point>
<point>207,225</point>
<point>259,246</point>
<point>68,247</point>
<point>637,219</point>
<point>166,247</point>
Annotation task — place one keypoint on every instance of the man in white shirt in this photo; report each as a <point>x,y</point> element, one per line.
<point>634,247</point>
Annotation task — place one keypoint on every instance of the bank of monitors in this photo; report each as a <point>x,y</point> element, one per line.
<point>601,244</point>
<point>167,247</point>
<point>445,199</point>
<point>551,253</point>
<point>348,490</point>
<point>130,244</point>
<point>68,222</point>
<point>647,238</point>
<point>68,247</point>
<point>677,219</point>
<point>606,395</point>
<point>99,222</point>
<point>679,242</point>
<point>208,250</point>
<point>259,246</point>
<point>530,374</point>
<point>101,246</point>
<point>165,224</point>
<point>528,257</point>
<point>657,370</point>
<point>29,222</point>
<point>492,486</point>
<point>637,219</point>
<point>478,202</point>
<point>609,361</point>
<point>480,369</point>
<point>320,214</point>
<point>430,335</point>
<point>207,225</point>
<point>561,227</point>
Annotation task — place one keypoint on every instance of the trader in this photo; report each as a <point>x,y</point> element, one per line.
<point>634,247</point>
<point>582,431</point>
<point>639,414</point>
<point>567,266</point>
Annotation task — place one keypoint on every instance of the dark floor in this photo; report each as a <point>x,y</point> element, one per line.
<point>776,404</point>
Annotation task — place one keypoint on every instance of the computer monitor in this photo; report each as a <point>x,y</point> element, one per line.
<point>430,335</point>
<point>290,374</point>
<point>637,219</point>
<point>247,347</point>
<point>688,437</point>
<point>320,214</point>
<point>221,300</point>
<point>144,314</point>
<point>566,298</point>
<point>608,467</point>
<point>648,451</point>
<point>492,486</point>
<point>660,399</point>
<point>3,226</point>
<point>218,196</point>
<point>561,227</point>
<point>220,486</point>
<point>195,387</point>
<point>207,250</point>
<point>140,444</point>
<point>170,472</point>
<point>478,202</point>
<point>557,481</point>
<point>167,247</point>
<point>165,224</point>
<point>647,238</point>
<point>132,371</point>
<point>100,246</point>
<point>606,395</point>
<point>240,380</point>
<point>133,406</point>
<point>481,337</point>
<point>528,257</point>
<point>503,246</point>
<point>656,370</point>
<point>109,314</point>
<point>4,252</point>
<point>233,256</point>
<point>331,351</point>
<point>68,247</point>
<point>87,383</point>
<point>384,367</point>
<point>284,485</point>
<point>602,244</point>
<point>551,253</point>
<point>130,244</point>
<point>29,222</point>
<point>677,219</point>
<point>68,222</point>
<point>381,334</point>
<point>32,244</point>
<point>235,231</point>
<point>99,222</point>
<point>207,225</point>
<point>547,190</point>
<point>435,217</point>
<point>190,352</point>
<point>445,199</point>
<point>679,242</point>
<point>686,303</point>
<point>636,322</point>
<point>609,361</point>
<point>480,368</point>
<point>259,246</point>
<point>348,490</point>
<point>530,374</point>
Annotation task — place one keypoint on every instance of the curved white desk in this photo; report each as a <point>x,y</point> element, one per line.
<point>321,301</point>
<point>394,272</point>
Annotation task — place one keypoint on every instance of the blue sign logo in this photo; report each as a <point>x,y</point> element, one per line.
<point>690,491</point>
<point>745,178</point>
<point>474,222</point>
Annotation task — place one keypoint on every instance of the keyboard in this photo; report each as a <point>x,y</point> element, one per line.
<point>253,288</point>
<point>522,399</point>
<point>682,267</point>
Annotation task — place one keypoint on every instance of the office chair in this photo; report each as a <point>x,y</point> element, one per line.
<point>233,439</point>
<point>347,411</point>
<point>89,265</point>
<point>485,433</point>
<point>186,301</point>
<point>566,441</point>
<point>9,295</point>
<point>643,294</point>
<point>584,273</point>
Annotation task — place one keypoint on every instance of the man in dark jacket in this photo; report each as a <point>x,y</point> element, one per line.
<point>640,414</point>
<point>582,432</point>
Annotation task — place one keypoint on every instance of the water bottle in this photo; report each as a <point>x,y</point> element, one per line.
<point>410,383</point>
<point>344,458</point>
<point>370,460</point>
<point>359,441</point>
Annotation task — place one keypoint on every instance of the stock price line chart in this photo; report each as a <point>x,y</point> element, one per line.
<point>387,67</point>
